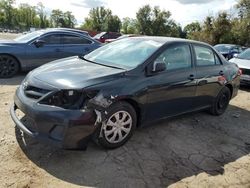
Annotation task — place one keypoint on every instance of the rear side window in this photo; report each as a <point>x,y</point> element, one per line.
<point>205,56</point>
<point>52,39</point>
<point>176,57</point>
<point>73,39</point>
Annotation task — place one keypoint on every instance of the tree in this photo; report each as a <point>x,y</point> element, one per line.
<point>56,18</point>
<point>6,8</point>
<point>113,23</point>
<point>25,16</point>
<point>144,20</point>
<point>43,22</point>
<point>191,30</point>
<point>244,8</point>
<point>222,29</point>
<point>154,21</point>
<point>128,26</point>
<point>241,27</point>
<point>69,19</point>
<point>101,19</point>
<point>96,19</point>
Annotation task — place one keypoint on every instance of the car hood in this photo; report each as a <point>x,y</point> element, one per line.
<point>74,72</point>
<point>242,63</point>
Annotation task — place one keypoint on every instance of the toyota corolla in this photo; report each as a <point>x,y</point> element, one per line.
<point>106,94</point>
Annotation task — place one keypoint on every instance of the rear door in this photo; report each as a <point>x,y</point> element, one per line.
<point>210,75</point>
<point>172,92</point>
<point>74,44</point>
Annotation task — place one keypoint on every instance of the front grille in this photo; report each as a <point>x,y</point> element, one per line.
<point>245,71</point>
<point>35,92</point>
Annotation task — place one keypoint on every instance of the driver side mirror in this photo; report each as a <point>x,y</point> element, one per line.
<point>159,67</point>
<point>39,43</point>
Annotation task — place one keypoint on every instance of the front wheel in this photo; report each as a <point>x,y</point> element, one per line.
<point>8,66</point>
<point>221,102</point>
<point>119,126</point>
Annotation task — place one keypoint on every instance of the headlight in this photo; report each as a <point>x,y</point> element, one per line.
<point>68,99</point>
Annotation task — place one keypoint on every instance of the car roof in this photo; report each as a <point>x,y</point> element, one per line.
<point>164,40</point>
<point>69,30</point>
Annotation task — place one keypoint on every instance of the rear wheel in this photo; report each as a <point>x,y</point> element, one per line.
<point>8,66</point>
<point>221,102</point>
<point>120,124</point>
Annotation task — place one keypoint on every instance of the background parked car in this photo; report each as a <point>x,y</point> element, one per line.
<point>103,36</point>
<point>36,48</point>
<point>243,61</point>
<point>228,50</point>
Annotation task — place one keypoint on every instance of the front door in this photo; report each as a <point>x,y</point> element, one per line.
<point>52,49</point>
<point>171,92</point>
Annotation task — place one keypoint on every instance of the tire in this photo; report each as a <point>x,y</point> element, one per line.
<point>9,66</point>
<point>221,102</point>
<point>112,134</point>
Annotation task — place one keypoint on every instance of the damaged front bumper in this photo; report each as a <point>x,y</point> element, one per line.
<point>65,128</point>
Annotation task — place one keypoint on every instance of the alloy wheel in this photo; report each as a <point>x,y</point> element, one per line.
<point>8,66</point>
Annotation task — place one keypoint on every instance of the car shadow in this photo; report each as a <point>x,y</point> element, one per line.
<point>16,80</point>
<point>156,156</point>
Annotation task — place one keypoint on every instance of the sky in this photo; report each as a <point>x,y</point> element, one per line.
<point>183,11</point>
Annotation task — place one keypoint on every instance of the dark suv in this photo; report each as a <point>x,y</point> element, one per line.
<point>103,36</point>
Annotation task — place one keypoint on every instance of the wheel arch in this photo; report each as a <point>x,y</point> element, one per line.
<point>13,56</point>
<point>136,106</point>
<point>230,87</point>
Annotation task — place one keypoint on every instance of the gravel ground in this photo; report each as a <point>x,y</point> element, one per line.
<point>193,150</point>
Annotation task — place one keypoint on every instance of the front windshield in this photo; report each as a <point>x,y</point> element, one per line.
<point>223,48</point>
<point>125,53</point>
<point>28,37</point>
<point>245,55</point>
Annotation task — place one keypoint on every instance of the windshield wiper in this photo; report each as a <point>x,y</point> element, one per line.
<point>83,58</point>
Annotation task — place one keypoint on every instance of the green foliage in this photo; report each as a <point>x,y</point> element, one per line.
<point>7,10</point>
<point>154,21</point>
<point>222,28</point>
<point>129,26</point>
<point>101,19</point>
<point>25,16</point>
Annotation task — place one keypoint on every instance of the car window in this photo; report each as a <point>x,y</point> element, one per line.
<point>105,36</point>
<point>217,60</point>
<point>73,39</point>
<point>125,53</point>
<point>204,56</point>
<point>176,57</point>
<point>52,39</point>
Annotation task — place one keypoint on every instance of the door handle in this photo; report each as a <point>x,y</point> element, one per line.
<point>191,77</point>
<point>221,73</point>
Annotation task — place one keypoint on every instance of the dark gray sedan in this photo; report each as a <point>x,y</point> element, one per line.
<point>36,48</point>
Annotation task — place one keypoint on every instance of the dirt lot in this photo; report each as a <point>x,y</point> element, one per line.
<point>194,150</point>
